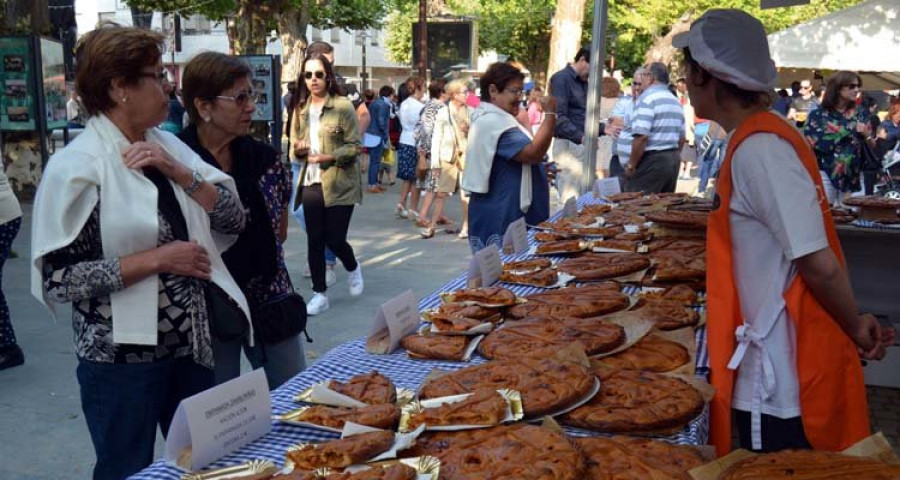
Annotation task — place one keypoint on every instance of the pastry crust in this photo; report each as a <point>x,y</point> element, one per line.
<point>600,266</point>
<point>561,246</point>
<point>541,278</point>
<point>621,216</point>
<point>680,293</point>
<point>453,324</point>
<point>468,311</point>
<point>638,402</point>
<point>530,265</point>
<point>596,209</point>
<point>520,452</point>
<point>546,385</point>
<point>666,314</point>
<point>372,388</point>
<point>680,219</point>
<point>342,453</point>
<point>581,302</point>
<point>626,458</point>
<point>483,407</point>
<point>398,471</point>
<point>384,416</point>
<point>872,201</point>
<point>616,244</point>
<point>591,231</point>
<point>624,196</point>
<point>531,334</point>
<point>492,296</point>
<point>809,465</point>
<point>651,354</point>
<point>436,347</point>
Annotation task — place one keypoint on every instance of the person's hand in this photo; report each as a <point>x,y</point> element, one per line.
<point>629,170</point>
<point>140,155</point>
<point>548,104</point>
<point>464,127</point>
<point>186,259</point>
<point>882,134</point>
<point>301,148</point>
<point>863,128</point>
<point>869,338</point>
<point>319,158</point>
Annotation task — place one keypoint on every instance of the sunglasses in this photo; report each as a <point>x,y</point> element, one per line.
<point>852,86</point>
<point>242,98</point>
<point>309,75</point>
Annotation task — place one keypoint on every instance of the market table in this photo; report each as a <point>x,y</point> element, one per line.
<point>871,251</point>
<point>351,359</point>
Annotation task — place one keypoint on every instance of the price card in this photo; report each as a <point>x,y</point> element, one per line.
<point>570,208</point>
<point>516,238</point>
<point>485,267</point>
<point>607,187</point>
<point>218,421</point>
<point>395,319</point>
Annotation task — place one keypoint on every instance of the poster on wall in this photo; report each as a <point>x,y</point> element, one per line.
<point>17,101</point>
<point>53,74</point>
<point>263,78</point>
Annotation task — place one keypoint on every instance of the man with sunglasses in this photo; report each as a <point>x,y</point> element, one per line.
<point>803,103</point>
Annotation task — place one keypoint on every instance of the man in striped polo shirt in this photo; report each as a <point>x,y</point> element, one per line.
<point>658,130</point>
<point>619,125</point>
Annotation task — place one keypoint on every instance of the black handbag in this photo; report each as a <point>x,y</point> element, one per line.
<point>281,318</point>
<point>227,321</point>
<point>868,161</point>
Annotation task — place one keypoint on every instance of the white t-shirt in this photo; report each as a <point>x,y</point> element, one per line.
<point>775,219</point>
<point>409,116</point>
<point>313,172</point>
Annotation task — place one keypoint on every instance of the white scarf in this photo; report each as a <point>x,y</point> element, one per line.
<point>489,122</point>
<point>68,193</point>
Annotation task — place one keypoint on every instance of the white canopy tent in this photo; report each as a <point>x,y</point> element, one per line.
<point>863,38</point>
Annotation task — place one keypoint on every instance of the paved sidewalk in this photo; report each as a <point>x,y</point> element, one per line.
<point>42,432</point>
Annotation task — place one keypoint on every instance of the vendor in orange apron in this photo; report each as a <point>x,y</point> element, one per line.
<point>784,335</point>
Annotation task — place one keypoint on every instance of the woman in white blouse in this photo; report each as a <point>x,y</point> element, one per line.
<point>407,155</point>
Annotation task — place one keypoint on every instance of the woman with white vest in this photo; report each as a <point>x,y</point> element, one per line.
<point>503,167</point>
<point>128,226</point>
<point>10,220</point>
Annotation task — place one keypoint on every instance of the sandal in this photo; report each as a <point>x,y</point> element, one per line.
<point>426,232</point>
<point>423,223</point>
<point>463,235</point>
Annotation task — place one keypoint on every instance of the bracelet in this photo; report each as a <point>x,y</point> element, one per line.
<point>196,181</point>
<point>550,113</point>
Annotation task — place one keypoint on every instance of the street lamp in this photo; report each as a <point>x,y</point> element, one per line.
<point>364,76</point>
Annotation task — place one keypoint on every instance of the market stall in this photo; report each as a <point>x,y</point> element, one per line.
<point>351,359</point>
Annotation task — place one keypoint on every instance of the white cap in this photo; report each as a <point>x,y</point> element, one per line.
<point>731,44</point>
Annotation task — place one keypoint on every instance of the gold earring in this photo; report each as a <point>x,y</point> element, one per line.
<point>124,99</point>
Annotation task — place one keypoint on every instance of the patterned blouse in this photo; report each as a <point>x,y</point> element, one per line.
<point>275,185</point>
<point>833,138</point>
<point>80,273</point>
<point>425,126</point>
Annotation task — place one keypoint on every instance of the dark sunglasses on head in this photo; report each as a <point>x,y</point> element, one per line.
<point>309,75</point>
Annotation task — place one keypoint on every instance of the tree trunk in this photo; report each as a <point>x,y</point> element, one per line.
<point>292,25</point>
<point>565,36</point>
<point>35,13</point>
<point>248,30</point>
<point>662,49</point>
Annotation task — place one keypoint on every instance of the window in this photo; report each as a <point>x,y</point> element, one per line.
<point>316,34</point>
<point>335,35</point>
<point>373,34</point>
<point>359,37</point>
<point>195,25</point>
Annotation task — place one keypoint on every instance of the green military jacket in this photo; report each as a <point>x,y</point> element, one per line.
<point>338,136</point>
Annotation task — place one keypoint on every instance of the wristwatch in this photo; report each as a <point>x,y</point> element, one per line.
<point>196,181</point>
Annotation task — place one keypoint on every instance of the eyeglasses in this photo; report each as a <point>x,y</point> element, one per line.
<point>636,84</point>
<point>242,98</point>
<point>517,92</point>
<point>309,75</point>
<point>162,76</point>
<point>805,87</point>
<point>852,86</point>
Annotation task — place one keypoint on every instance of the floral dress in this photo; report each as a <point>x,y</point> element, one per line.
<point>833,138</point>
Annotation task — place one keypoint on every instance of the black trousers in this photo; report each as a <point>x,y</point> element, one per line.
<point>657,172</point>
<point>325,226</point>
<point>777,433</point>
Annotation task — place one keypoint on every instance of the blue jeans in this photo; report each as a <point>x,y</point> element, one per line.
<point>123,403</point>
<point>375,154</point>
<point>710,161</point>
<point>281,361</point>
<point>330,257</point>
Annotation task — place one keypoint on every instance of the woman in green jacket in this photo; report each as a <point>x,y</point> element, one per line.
<point>325,139</point>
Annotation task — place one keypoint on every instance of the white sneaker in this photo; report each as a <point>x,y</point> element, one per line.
<point>330,277</point>
<point>355,280</point>
<point>317,304</point>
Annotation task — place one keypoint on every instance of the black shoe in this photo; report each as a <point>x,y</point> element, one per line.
<point>11,357</point>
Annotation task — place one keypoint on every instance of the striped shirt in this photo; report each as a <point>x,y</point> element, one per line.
<point>659,117</point>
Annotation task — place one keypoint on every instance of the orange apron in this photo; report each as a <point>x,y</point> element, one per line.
<point>832,390</point>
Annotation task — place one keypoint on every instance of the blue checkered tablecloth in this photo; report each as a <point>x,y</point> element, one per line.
<point>349,359</point>
<point>875,225</point>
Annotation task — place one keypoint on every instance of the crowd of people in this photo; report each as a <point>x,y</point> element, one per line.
<point>170,248</point>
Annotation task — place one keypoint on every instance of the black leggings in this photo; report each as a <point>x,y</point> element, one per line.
<point>325,226</point>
